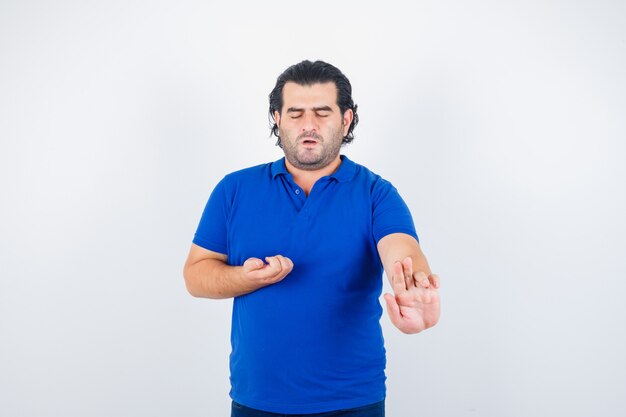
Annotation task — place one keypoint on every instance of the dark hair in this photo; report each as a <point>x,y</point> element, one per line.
<point>307,73</point>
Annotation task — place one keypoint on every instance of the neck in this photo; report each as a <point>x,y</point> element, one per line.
<point>307,178</point>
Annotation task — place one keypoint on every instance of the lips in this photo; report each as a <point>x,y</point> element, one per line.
<point>309,138</point>
<point>308,141</point>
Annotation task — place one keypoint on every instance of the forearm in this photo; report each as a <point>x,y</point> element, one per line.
<point>395,247</point>
<point>212,278</point>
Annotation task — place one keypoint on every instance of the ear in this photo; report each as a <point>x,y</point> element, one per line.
<point>347,121</point>
<point>277,117</point>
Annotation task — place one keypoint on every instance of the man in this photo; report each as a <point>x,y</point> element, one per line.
<point>301,244</point>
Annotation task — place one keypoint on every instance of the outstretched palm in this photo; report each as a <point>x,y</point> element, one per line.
<point>414,306</point>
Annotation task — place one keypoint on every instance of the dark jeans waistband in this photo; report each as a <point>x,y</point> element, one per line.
<point>371,410</point>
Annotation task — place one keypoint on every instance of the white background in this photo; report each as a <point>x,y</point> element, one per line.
<point>502,124</point>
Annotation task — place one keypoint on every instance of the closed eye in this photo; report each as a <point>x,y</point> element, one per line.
<point>323,111</point>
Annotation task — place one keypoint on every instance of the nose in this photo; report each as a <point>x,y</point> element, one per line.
<point>309,123</point>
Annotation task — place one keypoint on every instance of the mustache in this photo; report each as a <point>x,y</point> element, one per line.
<point>312,135</point>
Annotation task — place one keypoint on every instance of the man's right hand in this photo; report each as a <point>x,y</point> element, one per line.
<point>207,273</point>
<point>258,274</point>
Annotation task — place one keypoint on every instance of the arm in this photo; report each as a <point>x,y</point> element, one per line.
<point>208,275</point>
<point>415,304</point>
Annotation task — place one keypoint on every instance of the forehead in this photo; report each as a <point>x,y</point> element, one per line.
<point>318,94</point>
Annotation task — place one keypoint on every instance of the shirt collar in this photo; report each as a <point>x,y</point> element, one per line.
<point>344,173</point>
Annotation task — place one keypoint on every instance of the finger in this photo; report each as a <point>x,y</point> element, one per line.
<point>398,282</point>
<point>392,309</point>
<point>252,264</point>
<point>289,263</point>
<point>274,264</point>
<point>285,264</point>
<point>407,266</point>
<point>434,279</point>
<point>421,279</point>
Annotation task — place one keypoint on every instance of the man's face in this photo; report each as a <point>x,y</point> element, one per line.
<point>311,125</point>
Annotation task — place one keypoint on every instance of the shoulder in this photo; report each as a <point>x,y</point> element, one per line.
<point>254,176</point>
<point>250,173</point>
<point>374,181</point>
<point>381,192</point>
<point>241,180</point>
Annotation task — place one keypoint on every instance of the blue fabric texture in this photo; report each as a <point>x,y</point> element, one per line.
<point>371,410</point>
<point>311,343</point>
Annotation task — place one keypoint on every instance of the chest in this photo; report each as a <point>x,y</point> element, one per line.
<point>335,219</point>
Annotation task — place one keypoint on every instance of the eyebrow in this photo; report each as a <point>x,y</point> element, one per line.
<point>298,109</point>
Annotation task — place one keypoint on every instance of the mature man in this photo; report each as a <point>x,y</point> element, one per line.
<point>301,244</point>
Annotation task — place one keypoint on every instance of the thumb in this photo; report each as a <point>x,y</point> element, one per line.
<point>392,309</point>
<point>252,264</point>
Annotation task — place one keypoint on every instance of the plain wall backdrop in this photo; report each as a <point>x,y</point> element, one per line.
<point>502,124</point>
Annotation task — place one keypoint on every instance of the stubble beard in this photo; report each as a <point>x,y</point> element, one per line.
<point>325,152</point>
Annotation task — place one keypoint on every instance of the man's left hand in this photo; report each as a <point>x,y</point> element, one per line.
<point>414,306</point>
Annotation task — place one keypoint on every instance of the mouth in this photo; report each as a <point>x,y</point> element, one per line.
<point>310,139</point>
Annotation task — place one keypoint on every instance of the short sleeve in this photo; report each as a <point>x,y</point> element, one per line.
<point>390,212</point>
<point>211,233</point>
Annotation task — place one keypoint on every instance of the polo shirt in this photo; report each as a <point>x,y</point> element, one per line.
<point>312,342</point>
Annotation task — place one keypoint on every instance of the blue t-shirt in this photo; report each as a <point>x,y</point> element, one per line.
<point>312,342</point>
